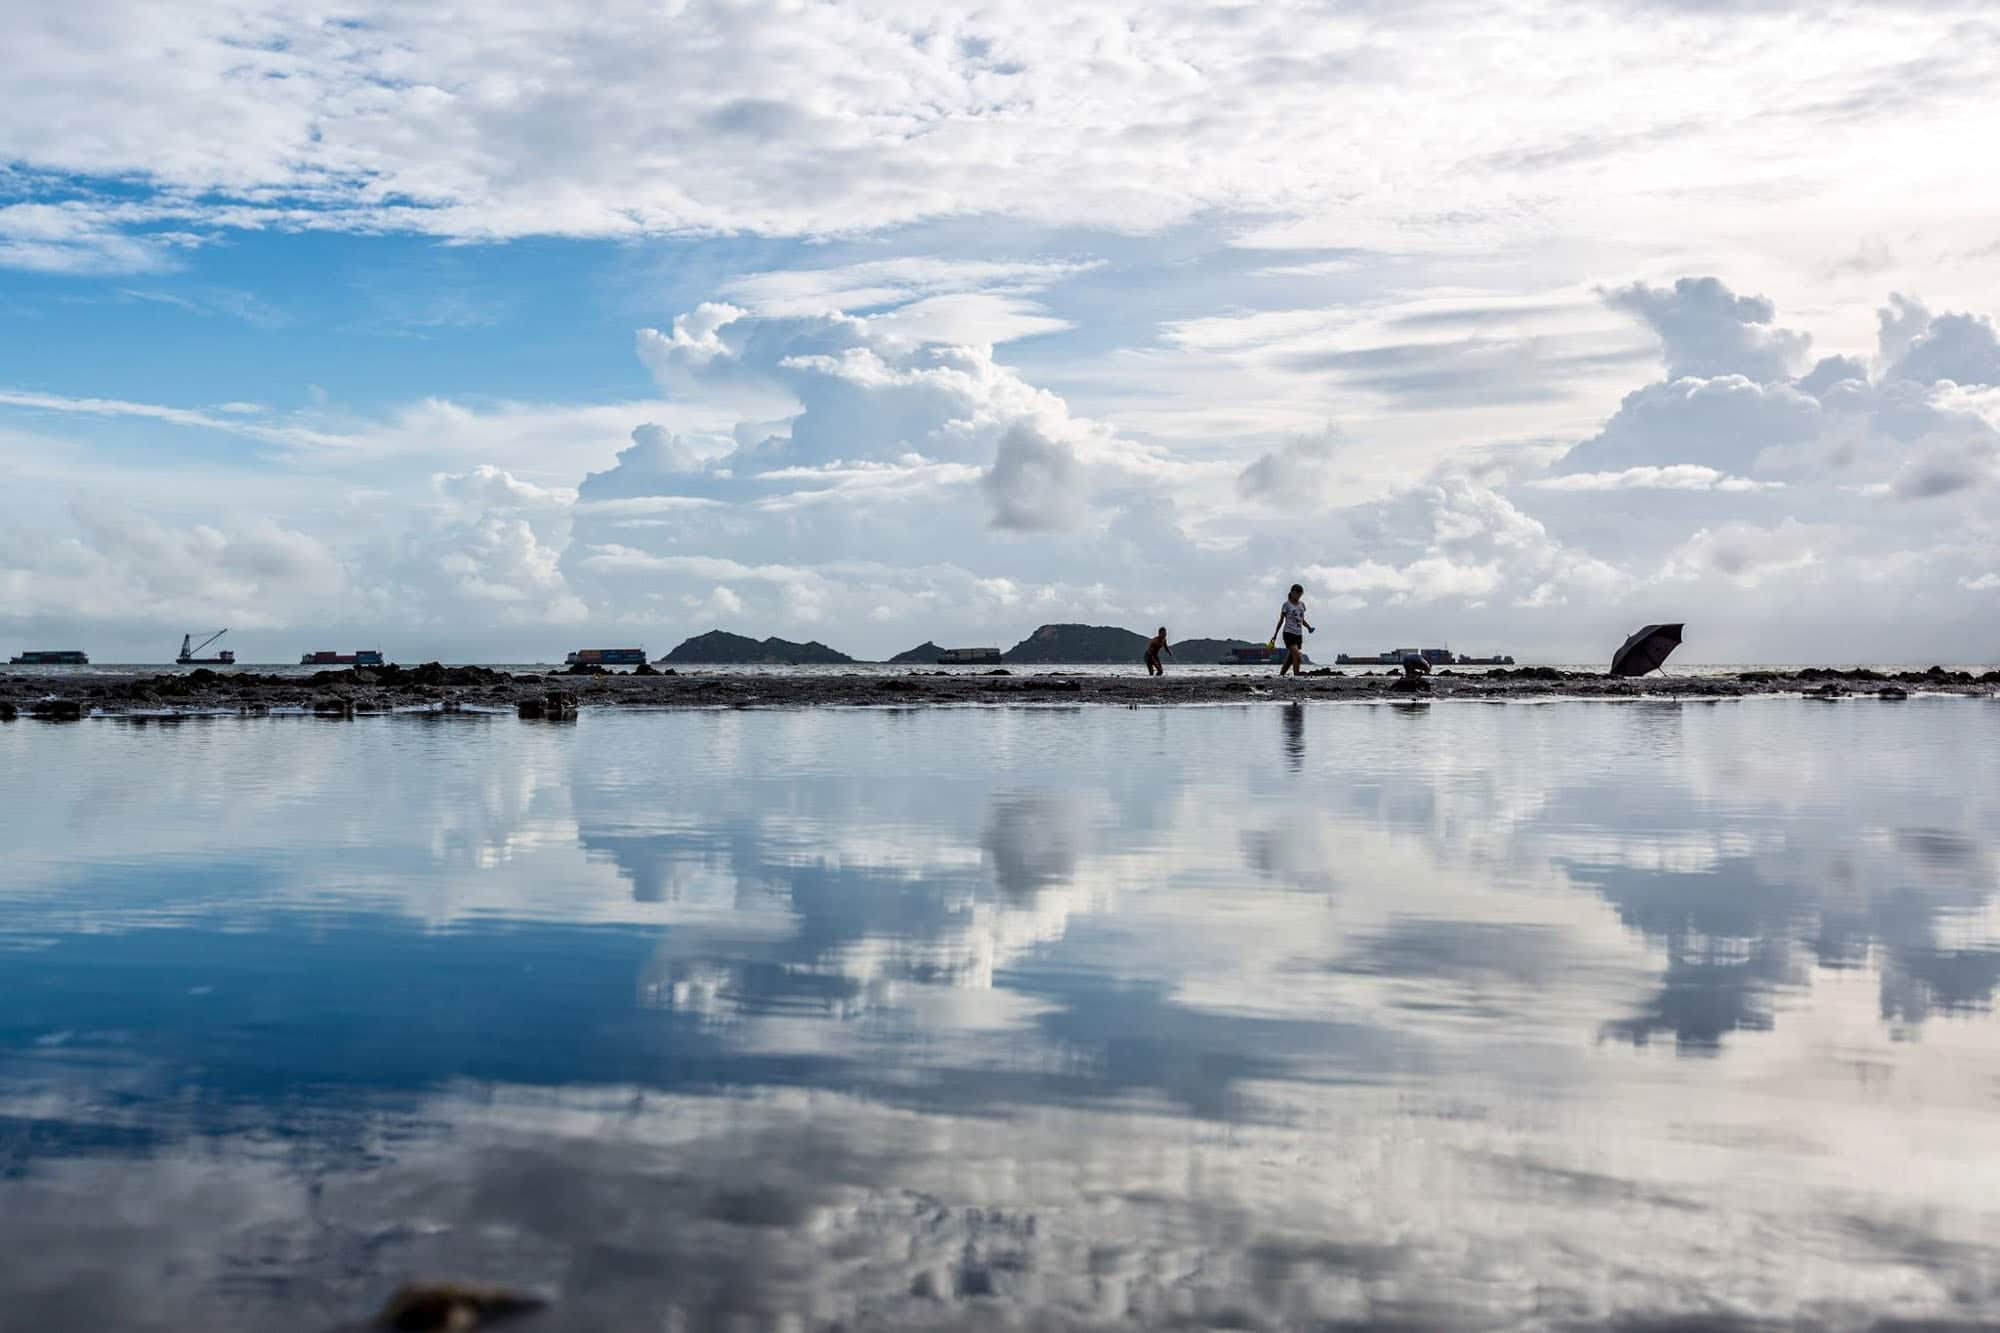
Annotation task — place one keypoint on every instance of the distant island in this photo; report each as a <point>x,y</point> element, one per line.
<point>1203,652</point>
<point>719,647</point>
<point>1055,645</point>
<point>1078,645</point>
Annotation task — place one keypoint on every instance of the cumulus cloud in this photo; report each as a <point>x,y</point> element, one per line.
<point>1918,346</point>
<point>114,563</point>
<point>1298,472</point>
<point>1707,330</point>
<point>1744,553</point>
<point>1033,485</point>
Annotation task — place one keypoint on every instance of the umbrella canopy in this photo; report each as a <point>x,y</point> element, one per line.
<point>1646,651</point>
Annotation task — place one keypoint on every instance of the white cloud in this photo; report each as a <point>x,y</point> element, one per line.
<point>1035,484</point>
<point>1678,477</point>
<point>1744,553</point>
<point>620,119</point>
<point>1707,330</point>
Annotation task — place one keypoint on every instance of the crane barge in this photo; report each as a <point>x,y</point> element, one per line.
<point>191,652</point>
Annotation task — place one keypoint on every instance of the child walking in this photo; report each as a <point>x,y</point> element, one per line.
<point>1293,624</point>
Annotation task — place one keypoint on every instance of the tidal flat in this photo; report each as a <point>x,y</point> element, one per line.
<point>71,696</point>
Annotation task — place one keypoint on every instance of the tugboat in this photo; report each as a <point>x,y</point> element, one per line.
<point>969,657</point>
<point>191,652</point>
<point>1262,654</point>
<point>327,657</point>
<point>607,657</point>
<point>50,657</point>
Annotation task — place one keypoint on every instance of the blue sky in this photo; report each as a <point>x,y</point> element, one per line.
<point>488,335</point>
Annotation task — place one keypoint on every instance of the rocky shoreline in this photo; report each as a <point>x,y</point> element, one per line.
<point>560,695</point>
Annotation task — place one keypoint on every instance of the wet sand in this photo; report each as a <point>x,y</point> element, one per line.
<point>440,688</point>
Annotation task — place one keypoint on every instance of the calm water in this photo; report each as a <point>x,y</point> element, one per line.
<point>1274,1017</point>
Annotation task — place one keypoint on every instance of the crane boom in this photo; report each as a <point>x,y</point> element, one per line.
<point>204,643</point>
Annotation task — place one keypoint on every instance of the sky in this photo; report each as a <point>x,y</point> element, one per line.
<point>486,333</point>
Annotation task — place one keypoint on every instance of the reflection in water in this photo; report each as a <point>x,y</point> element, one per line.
<point>1293,718</point>
<point>1072,1019</point>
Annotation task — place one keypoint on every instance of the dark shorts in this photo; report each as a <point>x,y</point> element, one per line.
<point>1295,641</point>
<point>1152,659</point>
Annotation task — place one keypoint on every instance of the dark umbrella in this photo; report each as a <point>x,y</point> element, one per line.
<point>1645,651</point>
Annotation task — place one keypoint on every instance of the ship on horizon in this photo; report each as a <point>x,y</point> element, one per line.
<point>328,657</point>
<point>968,657</point>
<point>50,657</point>
<point>1434,656</point>
<point>190,654</point>
<point>607,657</point>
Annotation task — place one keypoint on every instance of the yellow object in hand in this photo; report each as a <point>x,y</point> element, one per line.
<point>1269,644</point>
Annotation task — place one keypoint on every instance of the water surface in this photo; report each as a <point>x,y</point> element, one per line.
<point>1489,1016</point>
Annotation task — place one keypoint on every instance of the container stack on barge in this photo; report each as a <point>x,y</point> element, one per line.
<point>51,657</point>
<point>328,657</point>
<point>607,657</point>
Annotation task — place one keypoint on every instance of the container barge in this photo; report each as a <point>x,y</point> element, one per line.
<point>327,657</point>
<point>969,657</point>
<point>50,657</point>
<point>1434,656</point>
<point>607,657</point>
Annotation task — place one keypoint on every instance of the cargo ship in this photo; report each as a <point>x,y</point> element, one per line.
<point>327,657</point>
<point>969,657</point>
<point>607,657</point>
<point>1435,656</point>
<point>1260,655</point>
<point>191,652</point>
<point>51,657</point>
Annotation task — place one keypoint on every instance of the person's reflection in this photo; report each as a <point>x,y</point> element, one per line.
<point>1293,716</point>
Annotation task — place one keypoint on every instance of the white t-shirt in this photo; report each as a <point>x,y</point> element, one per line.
<point>1294,616</point>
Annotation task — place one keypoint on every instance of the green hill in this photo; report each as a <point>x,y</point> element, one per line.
<point>925,654</point>
<point>1079,645</point>
<point>719,647</point>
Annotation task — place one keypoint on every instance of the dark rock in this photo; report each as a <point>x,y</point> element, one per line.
<point>898,686</point>
<point>1892,692</point>
<point>449,1307</point>
<point>584,669</point>
<point>1003,671</point>
<point>1411,685</point>
<point>645,669</point>
<point>1756,677</point>
<point>363,676</point>
<point>1053,685</point>
<point>8,712</point>
<point>203,676</point>
<point>1827,691</point>
<point>57,710</point>
<point>530,709</point>
<point>333,706</point>
<point>1990,678</point>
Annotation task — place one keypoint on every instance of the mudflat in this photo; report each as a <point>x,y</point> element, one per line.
<point>558,694</point>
